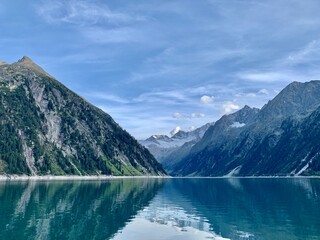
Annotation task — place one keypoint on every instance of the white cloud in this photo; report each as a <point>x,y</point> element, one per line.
<point>198,115</point>
<point>229,107</point>
<point>176,130</point>
<point>207,99</point>
<point>263,91</point>
<point>251,95</point>
<point>178,115</point>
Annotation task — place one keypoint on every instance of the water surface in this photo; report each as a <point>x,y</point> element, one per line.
<point>138,209</point>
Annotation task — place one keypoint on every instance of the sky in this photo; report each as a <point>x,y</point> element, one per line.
<point>154,65</point>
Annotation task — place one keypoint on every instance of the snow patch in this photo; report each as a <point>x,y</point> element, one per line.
<point>303,169</point>
<point>237,125</point>
<point>307,165</point>
<point>234,172</point>
<point>175,131</point>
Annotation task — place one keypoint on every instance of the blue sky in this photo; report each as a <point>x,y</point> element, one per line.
<point>154,65</point>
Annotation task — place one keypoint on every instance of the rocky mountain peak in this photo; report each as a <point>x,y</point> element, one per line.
<point>246,108</point>
<point>26,62</point>
<point>181,134</point>
<point>244,115</point>
<point>295,99</point>
<point>155,138</point>
<point>25,59</point>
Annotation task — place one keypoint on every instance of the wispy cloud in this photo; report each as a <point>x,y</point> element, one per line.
<point>178,115</point>
<point>282,76</point>
<point>198,115</point>
<point>138,120</point>
<point>145,60</point>
<point>94,20</point>
<point>310,52</point>
<point>267,77</point>
<point>107,97</point>
<point>171,96</point>
<point>82,13</point>
<point>117,35</point>
<point>164,71</point>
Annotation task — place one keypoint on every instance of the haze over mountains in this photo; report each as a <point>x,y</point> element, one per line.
<point>280,139</point>
<point>47,129</point>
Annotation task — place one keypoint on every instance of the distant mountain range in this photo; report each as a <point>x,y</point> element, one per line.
<point>47,129</point>
<point>170,150</point>
<point>281,139</point>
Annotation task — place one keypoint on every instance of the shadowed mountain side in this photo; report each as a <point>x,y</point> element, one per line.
<point>281,139</point>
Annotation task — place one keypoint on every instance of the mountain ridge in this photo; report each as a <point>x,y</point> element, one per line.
<point>267,144</point>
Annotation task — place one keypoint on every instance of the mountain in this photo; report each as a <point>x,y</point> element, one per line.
<point>280,139</point>
<point>47,129</point>
<point>162,146</point>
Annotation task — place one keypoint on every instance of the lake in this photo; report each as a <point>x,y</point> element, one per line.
<point>164,209</point>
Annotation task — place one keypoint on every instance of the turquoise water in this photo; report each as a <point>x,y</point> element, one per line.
<point>151,209</point>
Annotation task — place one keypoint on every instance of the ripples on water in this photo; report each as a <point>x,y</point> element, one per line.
<point>138,209</point>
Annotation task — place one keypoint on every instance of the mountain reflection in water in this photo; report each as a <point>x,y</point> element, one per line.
<point>159,209</point>
<point>71,209</point>
<point>230,208</point>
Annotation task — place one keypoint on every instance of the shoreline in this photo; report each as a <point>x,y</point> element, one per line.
<point>110,177</point>
<point>69,177</point>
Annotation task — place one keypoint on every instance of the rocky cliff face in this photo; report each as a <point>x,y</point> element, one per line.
<point>280,139</point>
<point>47,129</point>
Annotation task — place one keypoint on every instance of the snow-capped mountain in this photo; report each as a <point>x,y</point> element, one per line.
<point>162,145</point>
